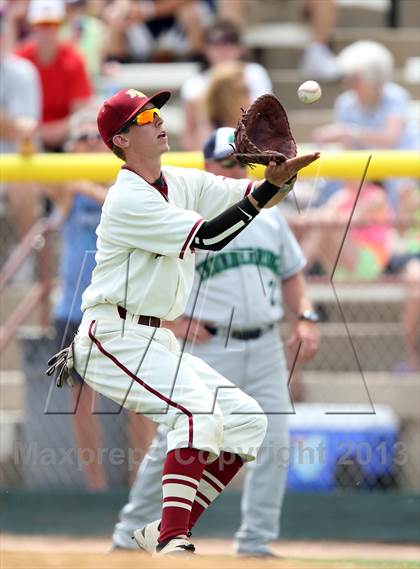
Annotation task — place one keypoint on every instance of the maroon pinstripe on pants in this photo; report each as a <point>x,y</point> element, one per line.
<point>143,384</point>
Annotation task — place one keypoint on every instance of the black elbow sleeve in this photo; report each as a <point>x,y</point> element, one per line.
<point>267,190</point>
<point>213,235</point>
<point>264,193</point>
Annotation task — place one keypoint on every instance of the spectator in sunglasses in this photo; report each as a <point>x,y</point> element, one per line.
<point>226,94</point>
<point>65,84</point>
<point>223,44</point>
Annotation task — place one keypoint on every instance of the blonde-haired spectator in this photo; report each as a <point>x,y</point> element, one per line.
<point>223,44</point>
<point>226,95</point>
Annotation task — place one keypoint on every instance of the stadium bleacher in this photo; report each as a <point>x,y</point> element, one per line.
<point>279,46</point>
<point>277,39</point>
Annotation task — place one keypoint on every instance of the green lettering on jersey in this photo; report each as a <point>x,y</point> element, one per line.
<point>226,260</point>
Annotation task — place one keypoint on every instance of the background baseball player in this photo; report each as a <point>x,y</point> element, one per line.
<point>238,336</point>
<point>151,221</point>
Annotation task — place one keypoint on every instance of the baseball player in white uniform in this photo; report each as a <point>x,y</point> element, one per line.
<point>238,336</point>
<point>153,219</point>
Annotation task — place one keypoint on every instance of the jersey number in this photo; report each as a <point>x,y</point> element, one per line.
<point>273,292</point>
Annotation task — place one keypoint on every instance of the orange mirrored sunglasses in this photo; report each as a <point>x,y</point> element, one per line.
<point>147,116</point>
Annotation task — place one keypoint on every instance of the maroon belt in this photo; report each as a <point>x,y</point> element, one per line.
<point>144,320</point>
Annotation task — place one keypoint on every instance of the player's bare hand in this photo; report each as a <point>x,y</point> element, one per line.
<point>278,174</point>
<point>306,334</point>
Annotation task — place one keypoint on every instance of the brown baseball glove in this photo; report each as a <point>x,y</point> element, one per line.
<point>263,133</point>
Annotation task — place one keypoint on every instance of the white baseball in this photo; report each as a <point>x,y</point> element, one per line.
<point>309,92</point>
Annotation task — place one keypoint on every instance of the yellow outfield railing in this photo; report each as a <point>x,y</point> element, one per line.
<point>51,168</point>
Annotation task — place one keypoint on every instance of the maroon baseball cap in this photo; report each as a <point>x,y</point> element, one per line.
<point>118,110</point>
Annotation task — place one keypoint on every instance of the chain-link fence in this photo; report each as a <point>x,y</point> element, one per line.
<point>356,424</point>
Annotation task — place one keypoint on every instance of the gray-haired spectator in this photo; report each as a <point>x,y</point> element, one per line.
<point>373,112</point>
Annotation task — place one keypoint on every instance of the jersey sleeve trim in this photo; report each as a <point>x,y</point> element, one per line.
<point>293,271</point>
<point>249,187</point>
<point>191,236</point>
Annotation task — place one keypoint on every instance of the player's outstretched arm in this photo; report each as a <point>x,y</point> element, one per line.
<point>215,234</point>
<point>279,180</point>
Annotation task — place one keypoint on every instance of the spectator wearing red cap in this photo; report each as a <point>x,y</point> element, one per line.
<point>64,80</point>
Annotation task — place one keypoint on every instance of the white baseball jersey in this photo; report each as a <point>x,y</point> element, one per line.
<point>243,277</point>
<point>239,286</point>
<point>145,264</point>
<point>144,261</point>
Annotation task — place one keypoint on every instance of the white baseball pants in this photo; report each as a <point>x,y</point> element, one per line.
<point>142,369</point>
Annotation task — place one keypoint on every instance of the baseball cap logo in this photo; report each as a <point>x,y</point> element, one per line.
<point>134,93</point>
